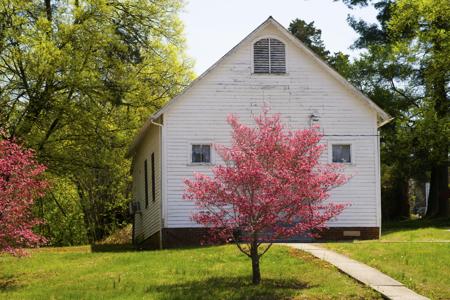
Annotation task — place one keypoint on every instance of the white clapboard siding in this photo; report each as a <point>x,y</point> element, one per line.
<point>148,222</point>
<point>199,115</point>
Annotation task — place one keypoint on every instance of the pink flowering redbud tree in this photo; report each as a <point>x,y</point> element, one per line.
<point>20,185</point>
<point>271,187</point>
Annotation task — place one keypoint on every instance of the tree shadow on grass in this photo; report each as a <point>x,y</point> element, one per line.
<point>229,288</point>
<point>131,248</point>
<point>113,248</point>
<point>397,226</point>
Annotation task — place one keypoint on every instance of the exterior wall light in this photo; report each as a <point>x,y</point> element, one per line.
<point>314,119</point>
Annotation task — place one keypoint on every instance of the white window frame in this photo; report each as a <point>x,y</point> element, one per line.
<point>211,154</point>
<point>352,152</point>
<point>252,52</point>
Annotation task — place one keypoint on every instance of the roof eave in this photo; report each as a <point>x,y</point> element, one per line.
<point>162,110</point>
<point>386,121</point>
<point>383,115</point>
<point>380,112</point>
<point>137,140</point>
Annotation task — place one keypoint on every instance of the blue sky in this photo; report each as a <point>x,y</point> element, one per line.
<point>213,27</point>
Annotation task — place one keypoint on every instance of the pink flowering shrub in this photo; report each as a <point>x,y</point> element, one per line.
<point>20,185</point>
<point>271,187</point>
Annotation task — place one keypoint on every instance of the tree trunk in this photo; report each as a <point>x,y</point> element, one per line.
<point>400,196</point>
<point>438,197</point>
<point>433,203</point>
<point>256,279</point>
<point>48,9</point>
<point>404,208</point>
<point>443,192</point>
<point>441,168</point>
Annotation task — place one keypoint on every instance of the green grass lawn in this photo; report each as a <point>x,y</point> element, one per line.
<point>417,230</point>
<point>410,252</point>
<point>197,273</point>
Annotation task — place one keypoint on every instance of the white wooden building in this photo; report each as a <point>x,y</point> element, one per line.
<point>269,65</point>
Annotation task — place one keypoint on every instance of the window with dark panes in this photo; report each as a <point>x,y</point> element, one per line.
<point>153,177</point>
<point>201,153</point>
<point>146,183</point>
<point>341,153</point>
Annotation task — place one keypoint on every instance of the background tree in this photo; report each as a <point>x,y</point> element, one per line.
<point>20,184</point>
<point>77,78</point>
<point>421,33</point>
<point>312,38</point>
<point>271,187</point>
<point>406,65</point>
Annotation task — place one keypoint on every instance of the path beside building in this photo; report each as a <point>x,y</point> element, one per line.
<point>387,286</point>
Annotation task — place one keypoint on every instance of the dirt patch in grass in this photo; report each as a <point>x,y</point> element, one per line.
<point>310,258</point>
<point>9,283</point>
<point>121,236</point>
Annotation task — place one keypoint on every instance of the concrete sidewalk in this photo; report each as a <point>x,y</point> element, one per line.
<point>387,286</point>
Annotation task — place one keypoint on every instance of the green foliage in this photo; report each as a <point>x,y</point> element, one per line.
<point>61,211</point>
<point>201,273</point>
<point>405,70</point>
<point>341,63</point>
<point>77,79</point>
<point>420,31</point>
<point>312,38</point>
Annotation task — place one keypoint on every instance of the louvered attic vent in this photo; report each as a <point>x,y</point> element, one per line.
<point>269,56</point>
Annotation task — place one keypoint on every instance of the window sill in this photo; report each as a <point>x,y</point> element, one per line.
<point>270,74</point>
<point>199,164</point>
<point>344,164</point>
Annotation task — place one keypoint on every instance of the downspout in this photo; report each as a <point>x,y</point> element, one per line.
<point>161,181</point>
<point>378,161</point>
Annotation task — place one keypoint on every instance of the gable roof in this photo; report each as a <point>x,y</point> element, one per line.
<point>385,117</point>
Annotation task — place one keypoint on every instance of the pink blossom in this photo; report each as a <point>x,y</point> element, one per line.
<point>20,185</point>
<point>271,186</point>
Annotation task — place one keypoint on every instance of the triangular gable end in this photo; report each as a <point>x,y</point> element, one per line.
<point>383,116</point>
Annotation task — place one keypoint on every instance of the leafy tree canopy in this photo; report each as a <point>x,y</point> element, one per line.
<point>77,78</point>
<point>312,38</point>
<point>405,70</point>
